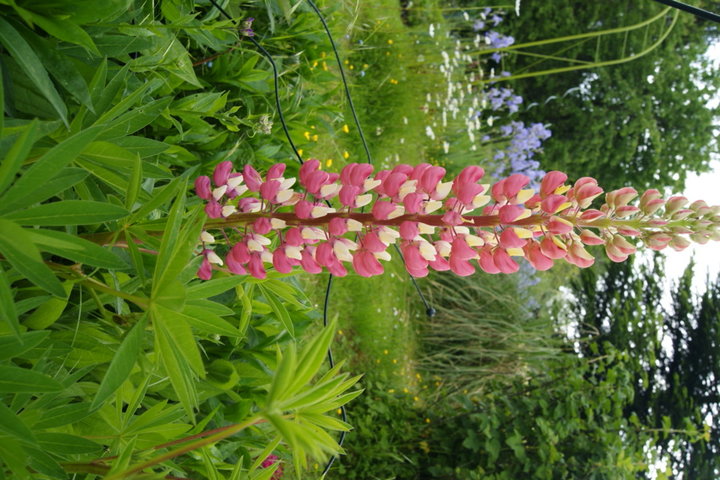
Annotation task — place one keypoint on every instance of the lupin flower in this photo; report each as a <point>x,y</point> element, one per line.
<point>269,222</point>
<point>269,462</point>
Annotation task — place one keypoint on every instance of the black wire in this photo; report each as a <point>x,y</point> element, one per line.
<point>344,80</point>
<point>699,12</point>
<point>276,82</point>
<point>331,362</point>
<point>277,96</point>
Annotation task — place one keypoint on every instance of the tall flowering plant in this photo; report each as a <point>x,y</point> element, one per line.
<point>453,224</point>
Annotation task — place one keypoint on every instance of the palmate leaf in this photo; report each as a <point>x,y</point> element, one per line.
<point>31,65</point>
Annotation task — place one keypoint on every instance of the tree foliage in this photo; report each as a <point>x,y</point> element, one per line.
<point>627,123</point>
<point>674,355</point>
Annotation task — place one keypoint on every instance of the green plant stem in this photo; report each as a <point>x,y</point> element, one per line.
<point>220,434</point>
<point>242,219</point>
<point>577,67</point>
<point>96,286</point>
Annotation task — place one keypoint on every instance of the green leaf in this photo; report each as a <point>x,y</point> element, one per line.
<point>177,246</point>
<point>108,176</point>
<point>199,104</point>
<point>65,444</point>
<point>66,178</point>
<point>279,309</point>
<point>176,365</point>
<point>14,456</point>
<point>48,166</point>
<point>31,65</point>
<point>2,108</point>
<point>170,295</point>
<point>21,380</point>
<point>11,424</point>
<point>8,314</point>
<point>515,442</point>
<point>209,306</point>
<point>18,153</point>
<point>136,178</point>
<point>66,30</point>
<point>63,70</point>
<point>75,248</point>
<point>132,121</point>
<point>286,366</point>
<point>68,212</point>
<point>164,195</point>
<point>63,415</point>
<point>210,288</point>
<point>181,336</point>
<point>11,346</point>
<point>247,306</point>
<point>45,464</point>
<point>312,358</point>
<point>145,147</point>
<point>18,249</point>
<point>136,257</point>
<point>128,100</point>
<point>121,364</point>
<point>207,322</point>
<point>48,313</point>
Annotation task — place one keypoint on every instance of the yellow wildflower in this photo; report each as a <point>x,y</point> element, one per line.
<point>345,128</point>
<point>346,155</point>
<point>328,162</point>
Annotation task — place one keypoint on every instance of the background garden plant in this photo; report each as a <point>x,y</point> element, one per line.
<point>117,360</point>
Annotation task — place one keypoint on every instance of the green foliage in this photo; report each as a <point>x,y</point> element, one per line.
<point>566,423</point>
<point>622,124</point>
<point>483,331</point>
<point>115,359</point>
<point>388,437</point>
<point>673,354</point>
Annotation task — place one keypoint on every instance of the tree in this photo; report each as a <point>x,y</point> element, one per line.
<point>627,123</point>
<point>675,355</point>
